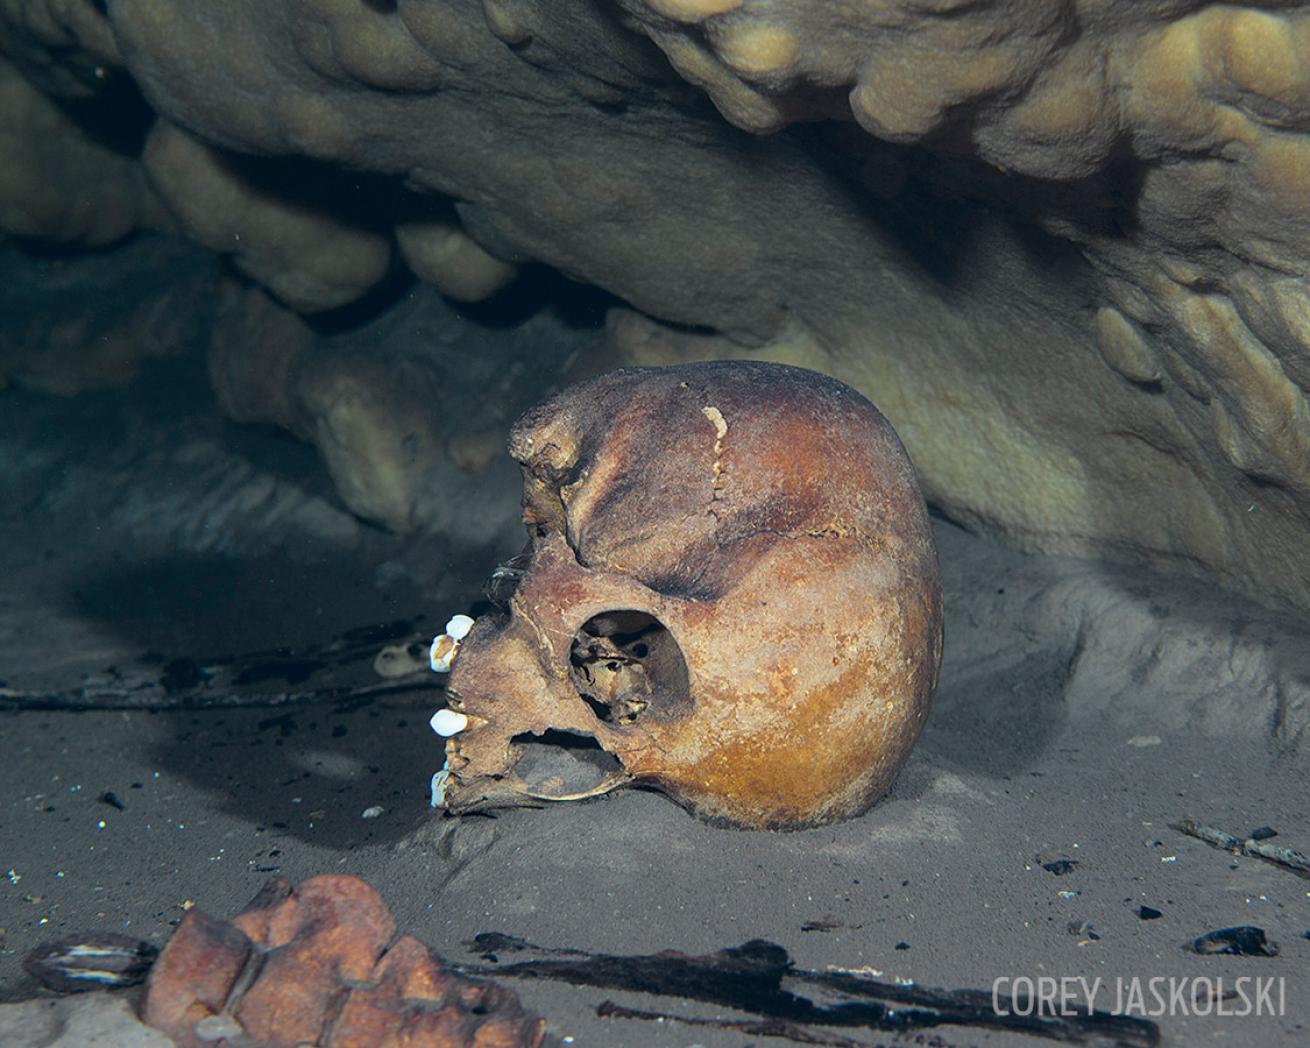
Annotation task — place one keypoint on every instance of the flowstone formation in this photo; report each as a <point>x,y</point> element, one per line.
<point>1062,245</point>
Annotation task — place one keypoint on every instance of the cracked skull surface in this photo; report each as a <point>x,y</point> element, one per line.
<point>730,594</point>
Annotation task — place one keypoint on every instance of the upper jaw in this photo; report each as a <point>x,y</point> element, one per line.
<point>482,793</point>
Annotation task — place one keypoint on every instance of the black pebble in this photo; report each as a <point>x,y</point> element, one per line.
<point>111,798</point>
<point>1060,867</point>
<point>1245,940</point>
<point>181,675</point>
<point>902,946</point>
<point>1148,913</point>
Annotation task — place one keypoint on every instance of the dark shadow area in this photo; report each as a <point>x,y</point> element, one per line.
<point>539,287</point>
<point>562,762</point>
<point>310,772</point>
<point>214,608</point>
<point>936,206</point>
<point>974,718</point>
<point>115,114</point>
<point>376,302</point>
<point>1001,697</point>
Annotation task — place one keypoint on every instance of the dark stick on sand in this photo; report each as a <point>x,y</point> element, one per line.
<point>1256,845</point>
<point>758,978</point>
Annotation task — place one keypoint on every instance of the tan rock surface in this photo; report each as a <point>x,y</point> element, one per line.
<point>57,183</point>
<point>309,257</point>
<point>1061,245</point>
<point>77,1022</point>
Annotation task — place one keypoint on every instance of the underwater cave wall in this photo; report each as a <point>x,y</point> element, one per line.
<point>1061,245</point>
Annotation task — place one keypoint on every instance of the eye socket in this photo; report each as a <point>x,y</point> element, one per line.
<point>627,667</point>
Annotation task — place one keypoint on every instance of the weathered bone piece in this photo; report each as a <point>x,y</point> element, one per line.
<point>732,590</point>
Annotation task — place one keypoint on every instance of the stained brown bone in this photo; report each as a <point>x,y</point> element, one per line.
<point>769,518</point>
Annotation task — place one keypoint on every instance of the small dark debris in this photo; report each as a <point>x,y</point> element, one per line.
<point>264,654</point>
<point>1263,833</point>
<point>181,675</point>
<point>902,946</point>
<point>1060,867</point>
<point>1083,929</point>
<point>93,961</point>
<point>111,798</point>
<point>824,924</point>
<point>1149,913</point>
<point>136,786</point>
<point>292,671</point>
<point>285,725</point>
<point>1245,940</point>
<point>267,869</point>
<point>497,942</point>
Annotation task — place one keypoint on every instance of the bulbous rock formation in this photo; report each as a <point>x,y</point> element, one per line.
<point>320,963</point>
<point>1066,243</point>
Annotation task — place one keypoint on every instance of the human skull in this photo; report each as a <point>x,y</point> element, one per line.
<point>731,588</point>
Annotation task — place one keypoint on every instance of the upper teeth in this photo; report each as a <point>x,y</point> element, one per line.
<point>442,653</point>
<point>445,646</point>
<point>458,627</point>
<point>448,722</point>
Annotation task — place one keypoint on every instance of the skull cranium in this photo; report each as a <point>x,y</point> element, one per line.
<point>731,587</point>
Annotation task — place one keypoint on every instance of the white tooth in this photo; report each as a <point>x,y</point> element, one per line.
<point>437,789</point>
<point>442,653</point>
<point>448,722</point>
<point>458,627</point>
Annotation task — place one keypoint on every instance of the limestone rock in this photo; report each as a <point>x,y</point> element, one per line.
<point>59,184</point>
<point>309,257</point>
<point>315,964</point>
<point>1063,246</point>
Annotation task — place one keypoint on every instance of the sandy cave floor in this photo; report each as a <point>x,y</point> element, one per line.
<point>1083,708</point>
